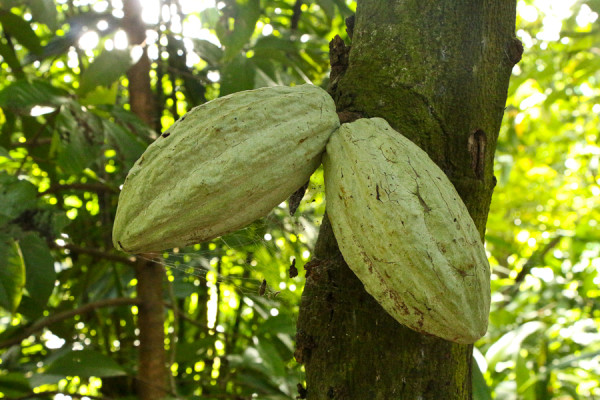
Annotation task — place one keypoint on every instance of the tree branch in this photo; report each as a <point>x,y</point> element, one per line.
<point>32,143</point>
<point>536,258</point>
<point>43,323</point>
<point>90,187</point>
<point>296,15</point>
<point>96,253</point>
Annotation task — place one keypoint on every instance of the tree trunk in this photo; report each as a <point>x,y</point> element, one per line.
<point>437,71</point>
<point>152,374</point>
<point>151,383</point>
<point>141,98</point>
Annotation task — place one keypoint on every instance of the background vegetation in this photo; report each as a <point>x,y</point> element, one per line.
<point>68,309</point>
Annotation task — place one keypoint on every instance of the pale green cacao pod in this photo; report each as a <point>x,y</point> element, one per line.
<point>404,231</point>
<point>223,165</point>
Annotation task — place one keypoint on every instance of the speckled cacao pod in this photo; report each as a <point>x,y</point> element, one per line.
<point>404,231</point>
<point>223,165</point>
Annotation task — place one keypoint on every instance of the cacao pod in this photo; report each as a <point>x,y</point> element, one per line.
<point>223,165</point>
<point>405,232</point>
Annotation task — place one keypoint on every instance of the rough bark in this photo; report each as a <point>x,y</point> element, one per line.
<point>152,377</point>
<point>437,71</point>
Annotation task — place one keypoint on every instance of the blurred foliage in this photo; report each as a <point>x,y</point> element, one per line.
<point>543,235</point>
<point>67,140</point>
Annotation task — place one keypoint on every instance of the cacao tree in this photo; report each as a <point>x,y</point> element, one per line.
<point>438,72</point>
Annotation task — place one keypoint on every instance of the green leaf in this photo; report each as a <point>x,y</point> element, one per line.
<point>183,289</point>
<point>208,51</point>
<point>44,379</point>
<point>328,7</point>
<point>128,144</point>
<point>343,7</point>
<point>7,129</point>
<point>79,151</point>
<point>194,90</point>
<point>210,16</point>
<point>12,274</point>
<point>189,352</point>
<point>56,46</point>
<point>101,95</point>
<point>8,4</point>
<point>133,122</point>
<point>14,384</point>
<point>271,358</point>
<point>74,158</point>
<point>85,363</point>
<point>525,379</point>
<point>276,44</point>
<point>39,267</point>
<point>22,95</point>
<point>29,309</point>
<point>281,323</point>
<point>21,30</point>
<point>570,390</point>
<point>9,56</point>
<point>105,69</point>
<point>259,382</point>
<point>45,12</point>
<point>16,196</point>
<point>4,153</point>
<point>237,75</point>
<point>247,14</point>
<point>481,390</point>
<point>509,345</point>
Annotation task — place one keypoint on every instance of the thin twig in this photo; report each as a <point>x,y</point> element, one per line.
<point>32,143</point>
